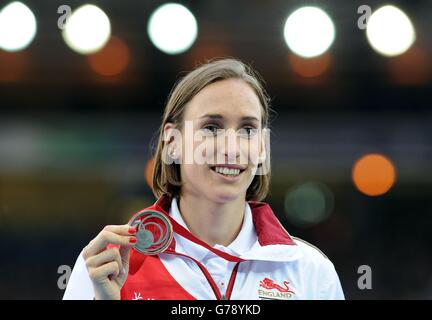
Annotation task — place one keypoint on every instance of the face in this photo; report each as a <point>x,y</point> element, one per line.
<point>221,141</point>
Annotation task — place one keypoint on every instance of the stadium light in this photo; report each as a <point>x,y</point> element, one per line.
<point>17,27</point>
<point>309,32</point>
<point>87,30</point>
<point>390,31</point>
<point>172,28</point>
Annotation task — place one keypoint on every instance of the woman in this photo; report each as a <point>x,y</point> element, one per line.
<point>211,171</point>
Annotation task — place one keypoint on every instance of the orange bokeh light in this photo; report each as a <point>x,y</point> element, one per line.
<point>410,68</point>
<point>311,67</point>
<point>148,172</point>
<point>374,174</point>
<point>200,53</point>
<point>112,59</point>
<point>13,66</point>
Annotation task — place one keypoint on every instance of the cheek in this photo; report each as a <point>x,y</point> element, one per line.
<point>197,147</point>
<point>207,147</point>
<point>250,150</point>
<point>195,173</point>
<point>204,152</point>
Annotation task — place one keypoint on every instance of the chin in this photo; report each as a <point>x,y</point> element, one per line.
<point>224,196</point>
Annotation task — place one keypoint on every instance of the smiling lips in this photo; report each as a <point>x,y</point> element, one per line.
<point>228,170</point>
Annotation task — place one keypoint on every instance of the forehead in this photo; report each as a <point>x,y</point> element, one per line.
<point>229,98</point>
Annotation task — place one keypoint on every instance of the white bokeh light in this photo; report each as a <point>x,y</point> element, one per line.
<point>17,27</point>
<point>172,28</point>
<point>309,32</point>
<point>87,30</point>
<point>390,31</point>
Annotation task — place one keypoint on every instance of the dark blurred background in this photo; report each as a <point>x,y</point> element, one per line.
<point>76,133</point>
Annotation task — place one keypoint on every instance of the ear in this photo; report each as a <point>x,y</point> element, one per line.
<point>172,138</point>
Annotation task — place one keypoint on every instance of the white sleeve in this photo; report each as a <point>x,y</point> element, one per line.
<point>79,286</point>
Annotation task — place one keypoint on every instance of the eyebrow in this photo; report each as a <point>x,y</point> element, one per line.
<point>219,117</point>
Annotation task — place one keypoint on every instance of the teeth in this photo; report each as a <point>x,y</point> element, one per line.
<point>227,171</point>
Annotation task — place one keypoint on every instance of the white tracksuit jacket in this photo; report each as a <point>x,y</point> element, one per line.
<point>263,262</point>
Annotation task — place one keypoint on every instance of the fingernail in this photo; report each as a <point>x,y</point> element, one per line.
<point>132,240</point>
<point>132,230</point>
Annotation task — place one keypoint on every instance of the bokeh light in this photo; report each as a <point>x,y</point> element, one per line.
<point>308,204</point>
<point>148,172</point>
<point>390,31</point>
<point>202,52</point>
<point>87,30</point>
<point>374,174</point>
<point>410,68</point>
<point>309,32</point>
<point>172,28</point>
<point>17,27</point>
<point>311,67</point>
<point>13,66</point>
<point>112,59</point>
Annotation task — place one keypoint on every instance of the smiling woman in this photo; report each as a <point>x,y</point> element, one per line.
<point>211,171</point>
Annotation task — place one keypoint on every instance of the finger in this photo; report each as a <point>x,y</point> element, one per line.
<point>104,238</point>
<point>104,257</point>
<point>102,273</point>
<point>125,255</point>
<point>122,230</point>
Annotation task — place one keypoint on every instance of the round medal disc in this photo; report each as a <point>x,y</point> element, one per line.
<point>154,232</point>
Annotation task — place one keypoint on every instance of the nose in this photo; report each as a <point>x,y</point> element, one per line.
<point>231,148</point>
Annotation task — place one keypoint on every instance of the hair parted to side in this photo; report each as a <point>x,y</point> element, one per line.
<point>166,177</point>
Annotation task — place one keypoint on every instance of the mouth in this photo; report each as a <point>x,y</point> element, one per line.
<point>228,170</point>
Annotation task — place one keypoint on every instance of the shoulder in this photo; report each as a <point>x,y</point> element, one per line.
<point>313,258</point>
<point>319,272</point>
<point>309,249</point>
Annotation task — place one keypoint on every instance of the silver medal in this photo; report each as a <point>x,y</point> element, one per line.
<point>154,232</point>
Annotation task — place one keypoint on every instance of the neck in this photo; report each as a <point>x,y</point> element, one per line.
<point>211,222</point>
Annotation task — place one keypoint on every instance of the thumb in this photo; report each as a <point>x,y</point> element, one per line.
<point>125,256</point>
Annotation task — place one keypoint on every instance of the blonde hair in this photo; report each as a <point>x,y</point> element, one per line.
<point>166,177</point>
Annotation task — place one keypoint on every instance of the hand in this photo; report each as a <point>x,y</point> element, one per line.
<point>108,267</point>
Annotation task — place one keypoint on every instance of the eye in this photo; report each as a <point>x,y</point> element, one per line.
<point>247,132</point>
<point>210,129</point>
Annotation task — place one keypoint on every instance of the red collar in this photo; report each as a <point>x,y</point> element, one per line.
<point>268,228</point>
